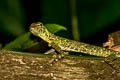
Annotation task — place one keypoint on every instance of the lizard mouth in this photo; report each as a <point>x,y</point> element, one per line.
<point>32,28</point>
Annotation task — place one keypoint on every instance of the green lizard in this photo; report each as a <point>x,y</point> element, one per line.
<point>63,45</point>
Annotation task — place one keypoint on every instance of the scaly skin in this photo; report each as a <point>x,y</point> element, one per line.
<point>64,44</point>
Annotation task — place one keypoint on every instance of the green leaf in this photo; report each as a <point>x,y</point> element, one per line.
<point>20,43</point>
<point>53,28</point>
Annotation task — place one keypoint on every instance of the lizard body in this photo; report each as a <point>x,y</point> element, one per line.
<point>64,44</point>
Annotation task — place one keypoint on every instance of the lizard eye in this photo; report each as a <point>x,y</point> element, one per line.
<point>41,24</point>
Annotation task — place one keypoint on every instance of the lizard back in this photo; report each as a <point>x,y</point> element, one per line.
<point>75,46</point>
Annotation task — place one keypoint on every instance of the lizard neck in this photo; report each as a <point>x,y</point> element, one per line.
<point>47,36</point>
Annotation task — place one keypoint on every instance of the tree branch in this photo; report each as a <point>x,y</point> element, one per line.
<point>26,66</point>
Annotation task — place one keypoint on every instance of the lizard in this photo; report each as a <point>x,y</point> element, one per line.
<point>63,45</point>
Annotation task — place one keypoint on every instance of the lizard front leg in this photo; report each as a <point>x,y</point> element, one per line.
<point>58,56</point>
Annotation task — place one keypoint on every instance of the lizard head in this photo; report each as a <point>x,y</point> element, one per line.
<point>38,29</point>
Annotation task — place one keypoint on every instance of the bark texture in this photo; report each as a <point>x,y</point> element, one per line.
<point>22,67</point>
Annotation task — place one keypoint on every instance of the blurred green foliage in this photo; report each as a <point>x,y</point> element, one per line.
<point>12,17</point>
<point>95,15</point>
<point>20,43</point>
<point>92,15</point>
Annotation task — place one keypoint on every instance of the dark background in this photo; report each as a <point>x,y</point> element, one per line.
<point>96,18</point>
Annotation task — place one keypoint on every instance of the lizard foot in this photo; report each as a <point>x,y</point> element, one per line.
<point>56,58</point>
<point>59,53</point>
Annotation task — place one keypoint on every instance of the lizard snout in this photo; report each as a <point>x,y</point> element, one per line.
<point>32,26</point>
